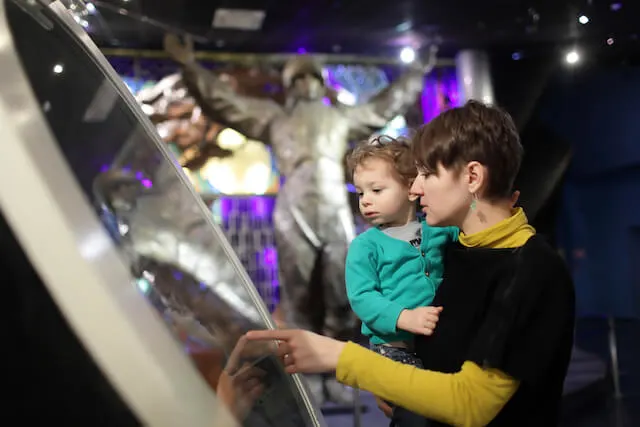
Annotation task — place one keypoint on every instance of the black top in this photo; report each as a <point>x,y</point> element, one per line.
<point>509,309</point>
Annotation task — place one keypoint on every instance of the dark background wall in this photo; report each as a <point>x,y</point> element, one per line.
<point>592,116</point>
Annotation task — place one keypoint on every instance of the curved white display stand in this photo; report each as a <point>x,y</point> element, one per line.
<point>85,273</point>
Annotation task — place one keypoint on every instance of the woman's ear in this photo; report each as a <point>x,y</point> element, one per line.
<point>514,198</point>
<point>476,175</point>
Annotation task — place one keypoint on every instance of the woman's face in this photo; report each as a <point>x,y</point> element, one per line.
<point>444,196</point>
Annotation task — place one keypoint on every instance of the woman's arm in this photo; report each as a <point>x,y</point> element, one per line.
<point>470,397</point>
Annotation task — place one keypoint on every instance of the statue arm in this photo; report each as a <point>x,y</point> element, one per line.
<point>393,100</point>
<point>249,116</point>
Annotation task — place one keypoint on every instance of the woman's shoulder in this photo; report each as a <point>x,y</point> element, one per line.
<point>538,245</point>
<point>541,281</point>
<point>539,259</point>
<point>520,276</point>
<point>530,318</point>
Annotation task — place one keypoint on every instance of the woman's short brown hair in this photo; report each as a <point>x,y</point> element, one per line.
<point>395,151</point>
<point>473,132</point>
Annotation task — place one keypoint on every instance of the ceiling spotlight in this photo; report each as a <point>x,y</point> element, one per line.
<point>572,57</point>
<point>610,41</point>
<point>407,55</point>
<point>90,7</point>
<point>616,6</point>
<point>58,69</point>
<point>583,19</point>
<point>516,56</point>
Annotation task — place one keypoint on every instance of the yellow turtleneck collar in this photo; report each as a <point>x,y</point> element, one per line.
<point>512,232</point>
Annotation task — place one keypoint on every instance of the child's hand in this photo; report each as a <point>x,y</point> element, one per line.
<point>420,321</point>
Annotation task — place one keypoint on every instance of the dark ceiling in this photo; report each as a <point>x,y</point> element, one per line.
<point>374,27</point>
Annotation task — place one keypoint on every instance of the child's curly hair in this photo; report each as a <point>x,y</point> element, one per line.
<point>395,151</point>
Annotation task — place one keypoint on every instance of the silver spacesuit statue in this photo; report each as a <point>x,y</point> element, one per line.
<point>312,219</point>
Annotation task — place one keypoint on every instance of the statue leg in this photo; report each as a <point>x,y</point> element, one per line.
<point>340,321</point>
<point>296,262</point>
<point>299,301</point>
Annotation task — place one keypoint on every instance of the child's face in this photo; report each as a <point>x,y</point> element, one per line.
<point>383,199</point>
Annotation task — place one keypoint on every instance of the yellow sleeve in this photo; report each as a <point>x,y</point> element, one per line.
<point>471,397</point>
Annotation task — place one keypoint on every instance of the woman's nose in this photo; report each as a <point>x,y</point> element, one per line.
<point>416,188</point>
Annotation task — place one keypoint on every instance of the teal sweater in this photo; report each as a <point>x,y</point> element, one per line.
<point>385,275</point>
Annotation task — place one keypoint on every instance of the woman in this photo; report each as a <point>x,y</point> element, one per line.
<point>502,345</point>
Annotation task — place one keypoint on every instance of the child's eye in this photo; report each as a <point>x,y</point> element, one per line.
<point>359,194</point>
<point>377,190</point>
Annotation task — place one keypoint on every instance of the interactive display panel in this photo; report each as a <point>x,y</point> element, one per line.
<point>176,256</point>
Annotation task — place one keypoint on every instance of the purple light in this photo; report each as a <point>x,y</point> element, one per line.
<point>139,175</point>
<point>147,183</point>
<point>104,168</point>
<point>270,256</point>
<point>259,207</point>
<point>331,79</point>
<point>302,50</point>
<point>326,101</point>
<point>439,94</point>
<point>275,283</point>
<point>616,6</point>
<point>225,207</point>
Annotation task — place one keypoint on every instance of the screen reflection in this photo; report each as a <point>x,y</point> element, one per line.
<point>178,258</point>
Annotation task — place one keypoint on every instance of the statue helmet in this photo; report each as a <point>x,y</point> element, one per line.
<point>298,65</point>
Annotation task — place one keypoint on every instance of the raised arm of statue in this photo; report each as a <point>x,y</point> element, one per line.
<point>395,99</point>
<point>249,116</point>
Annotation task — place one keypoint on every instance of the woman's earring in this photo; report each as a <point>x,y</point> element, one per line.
<point>473,202</point>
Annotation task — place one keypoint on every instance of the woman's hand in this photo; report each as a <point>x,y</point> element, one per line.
<point>302,351</point>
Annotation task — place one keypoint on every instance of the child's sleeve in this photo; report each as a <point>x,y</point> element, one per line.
<point>454,232</point>
<point>363,289</point>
